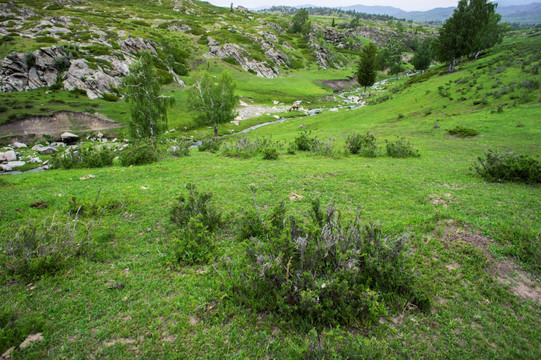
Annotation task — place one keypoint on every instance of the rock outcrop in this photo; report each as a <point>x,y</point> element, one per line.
<point>29,71</point>
<point>94,82</point>
<point>241,57</point>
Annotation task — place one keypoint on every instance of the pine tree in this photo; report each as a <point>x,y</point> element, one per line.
<point>366,71</point>
<point>148,109</point>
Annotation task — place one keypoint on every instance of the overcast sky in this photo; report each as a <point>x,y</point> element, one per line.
<point>408,5</point>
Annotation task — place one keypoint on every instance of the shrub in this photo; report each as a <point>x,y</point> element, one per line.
<point>96,157</point>
<point>193,244</point>
<point>195,204</point>
<point>501,167</point>
<point>325,272</point>
<point>401,148</point>
<point>270,153</point>
<point>242,147</point>
<point>462,131</point>
<point>530,84</point>
<point>210,144</point>
<point>45,248</point>
<point>140,153</point>
<point>364,145</point>
<point>304,141</point>
<point>324,148</point>
<point>110,97</point>
<point>181,149</point>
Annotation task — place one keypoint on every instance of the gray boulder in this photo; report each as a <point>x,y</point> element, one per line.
<point>69,138</point>
<point>46,150</point>
<point>18,145</point>
<point>11,165</point>
<point>8,156</point>
<point>94,82</point>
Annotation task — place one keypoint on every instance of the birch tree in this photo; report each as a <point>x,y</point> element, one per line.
<point>213,99</point>
<point>147,107</point>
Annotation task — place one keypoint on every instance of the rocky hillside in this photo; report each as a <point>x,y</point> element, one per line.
<point>87,46</point>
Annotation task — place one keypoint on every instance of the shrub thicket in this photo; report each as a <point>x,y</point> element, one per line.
<point>88,157</point>
<point>196,219</point>
<point>401,148</point>
<point>140,153</point>
<point>364,145</point>
<point>210,144</point>
<point>500,167</point>
<point>44,248</point>
<point>322,271</point>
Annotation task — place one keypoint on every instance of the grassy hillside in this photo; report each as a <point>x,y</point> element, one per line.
<point>473,245</point>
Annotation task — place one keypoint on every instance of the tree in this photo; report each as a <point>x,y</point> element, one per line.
<point>423,56</point>
<point>298,21</point>
<point>213,99</point>
<point>472,28</point>
<point>148,109</point>
<point>390,57</point>
<point>366,72</point>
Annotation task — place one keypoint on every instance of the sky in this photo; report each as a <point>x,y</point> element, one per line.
<point>408,5</point>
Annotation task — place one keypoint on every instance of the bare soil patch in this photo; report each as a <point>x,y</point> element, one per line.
<point>506,271</point>
<point>342,84</point>
<point>56,124</point>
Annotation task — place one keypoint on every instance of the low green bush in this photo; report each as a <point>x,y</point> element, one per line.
<point>39,249</point>
<point>194,243</point>
<point>401,148</point>
<point>364,145</point>
<point>87,157</point>
<point>462,131</point>
<point>210,144</point>
<point>304,141</point>
<point>139,153</point>
<point>270,153</point>
<point>195,204</point>
<point>322,271</point>
<point>110,97</point>
<point>502,167</point>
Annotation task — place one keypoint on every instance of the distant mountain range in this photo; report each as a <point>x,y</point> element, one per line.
<point>512,11</point>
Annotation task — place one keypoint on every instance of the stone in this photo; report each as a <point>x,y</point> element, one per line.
<point>8,156</point>
<point>18,145</point>
<point>46,150</point>
<point>69,138</point>
<point>11,165</point>
<point>94,81</point>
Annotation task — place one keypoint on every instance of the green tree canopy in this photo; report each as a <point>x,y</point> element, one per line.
<point>472,28</point>
<point>148,109</point>
<point>423,55</point>
<point>366,71</point>
<point>298,21</point>
<point>213,99</point>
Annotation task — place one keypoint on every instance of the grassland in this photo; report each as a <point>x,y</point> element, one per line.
<point>463,230</point>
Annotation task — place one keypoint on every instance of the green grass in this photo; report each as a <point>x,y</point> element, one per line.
<point>168,312</point>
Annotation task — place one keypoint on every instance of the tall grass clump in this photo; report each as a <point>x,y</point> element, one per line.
<point>502,167</point>
<point>210,144</point>
<point>39,249</point>
<point>320,270</point>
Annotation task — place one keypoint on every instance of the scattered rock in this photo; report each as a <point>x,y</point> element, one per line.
<point>46,150</point>
<point>86,177</point>
<point>18,145</point>
<point>11,165</point>
<point>39,205</point>
<point>69,138</point>
<point>293,196</point>
<point>8,156</point>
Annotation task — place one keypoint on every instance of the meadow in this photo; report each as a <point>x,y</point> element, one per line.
<point>473,248</point>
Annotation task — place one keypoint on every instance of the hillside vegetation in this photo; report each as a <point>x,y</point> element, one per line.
<point>361,232</point>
